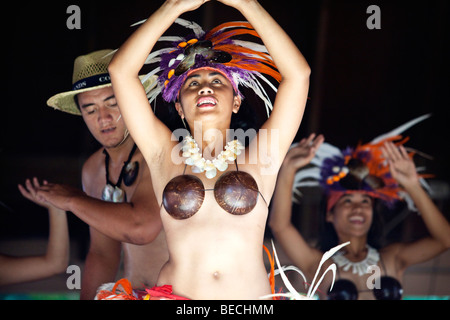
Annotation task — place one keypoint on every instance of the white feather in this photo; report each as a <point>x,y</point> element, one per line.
<point>400,129</point>
<point>198,31</point>
<point>237,25</point>
<point>153,94</point>
<point>297,194</point>
<point>252,45</point>
<point>327,255</point>
<point>306,184</point>
<point>293,294</point>
<point>308,173</point>
<point>269,106</point>
<point>151,73</point>
<point>254,84</point>
<point>138,23</point>
<point>110,53</point>
<point>262,77</point>
<point>286,282</point>
<point>171,39</point>
<point>154,56</point>
<point>425,185</point>
<point>303,177</point>
<point>327,150</point>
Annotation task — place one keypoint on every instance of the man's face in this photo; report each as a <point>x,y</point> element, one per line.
<point>102,116</point>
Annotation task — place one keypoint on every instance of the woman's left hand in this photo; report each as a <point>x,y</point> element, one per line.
<point>233,3</point>
<point>401,164</point>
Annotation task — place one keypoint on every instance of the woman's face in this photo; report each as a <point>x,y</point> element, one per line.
<point>352,214</point>
<point>207,95</point>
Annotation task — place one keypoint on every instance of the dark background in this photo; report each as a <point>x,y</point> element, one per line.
<point>364,83</point>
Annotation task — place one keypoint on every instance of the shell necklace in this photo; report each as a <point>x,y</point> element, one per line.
<point>360,267</point>
<point>112,192</point>
<point>191,152</point>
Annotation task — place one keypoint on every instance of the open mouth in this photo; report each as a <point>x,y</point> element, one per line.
<point>108,130</point>
<point>357,219</point>
<point>206,102</point>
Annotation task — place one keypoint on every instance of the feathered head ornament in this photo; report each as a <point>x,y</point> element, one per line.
<point>360,169</point>
<point>242,62</point>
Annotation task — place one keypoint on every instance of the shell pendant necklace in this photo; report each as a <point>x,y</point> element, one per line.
<point>360,267</point>
<point>112,192</point>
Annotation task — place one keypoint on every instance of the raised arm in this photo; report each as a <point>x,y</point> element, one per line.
<point>148,132</point>
<point>56,258</point>
<point>293,244</point>
<point>292,93</point>
<point>403,170</point>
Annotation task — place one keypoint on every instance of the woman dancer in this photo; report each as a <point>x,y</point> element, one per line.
<point>214,221</point>
<point>353,180</point>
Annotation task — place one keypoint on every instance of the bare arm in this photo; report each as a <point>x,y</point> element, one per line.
<point>403,170</point>
<point>292,92</point>
<point>136,222</point>
<point>297,249</point>
<point>150,134</point>
<point>56,258</point>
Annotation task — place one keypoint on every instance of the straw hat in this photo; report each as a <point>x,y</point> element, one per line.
<point>90,72</point>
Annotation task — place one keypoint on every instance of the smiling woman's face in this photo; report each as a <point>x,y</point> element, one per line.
<point>352,214</point>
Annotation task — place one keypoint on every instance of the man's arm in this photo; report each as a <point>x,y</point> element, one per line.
<point>137,222</point>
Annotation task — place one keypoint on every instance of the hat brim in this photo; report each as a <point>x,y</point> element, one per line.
<point>65,101</point>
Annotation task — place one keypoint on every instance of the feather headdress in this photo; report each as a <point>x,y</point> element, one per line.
<point>363,168</point>
<point>244,63</point>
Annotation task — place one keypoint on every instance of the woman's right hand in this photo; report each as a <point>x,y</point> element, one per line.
<point>303,152</point>
<point>187,5</point>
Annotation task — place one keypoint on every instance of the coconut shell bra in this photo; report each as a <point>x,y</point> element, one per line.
<point>236,192</point>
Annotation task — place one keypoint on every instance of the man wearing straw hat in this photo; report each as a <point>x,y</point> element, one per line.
<point>127,216</point>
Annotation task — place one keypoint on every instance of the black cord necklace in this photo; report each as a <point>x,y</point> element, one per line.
<point>112,192</point>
